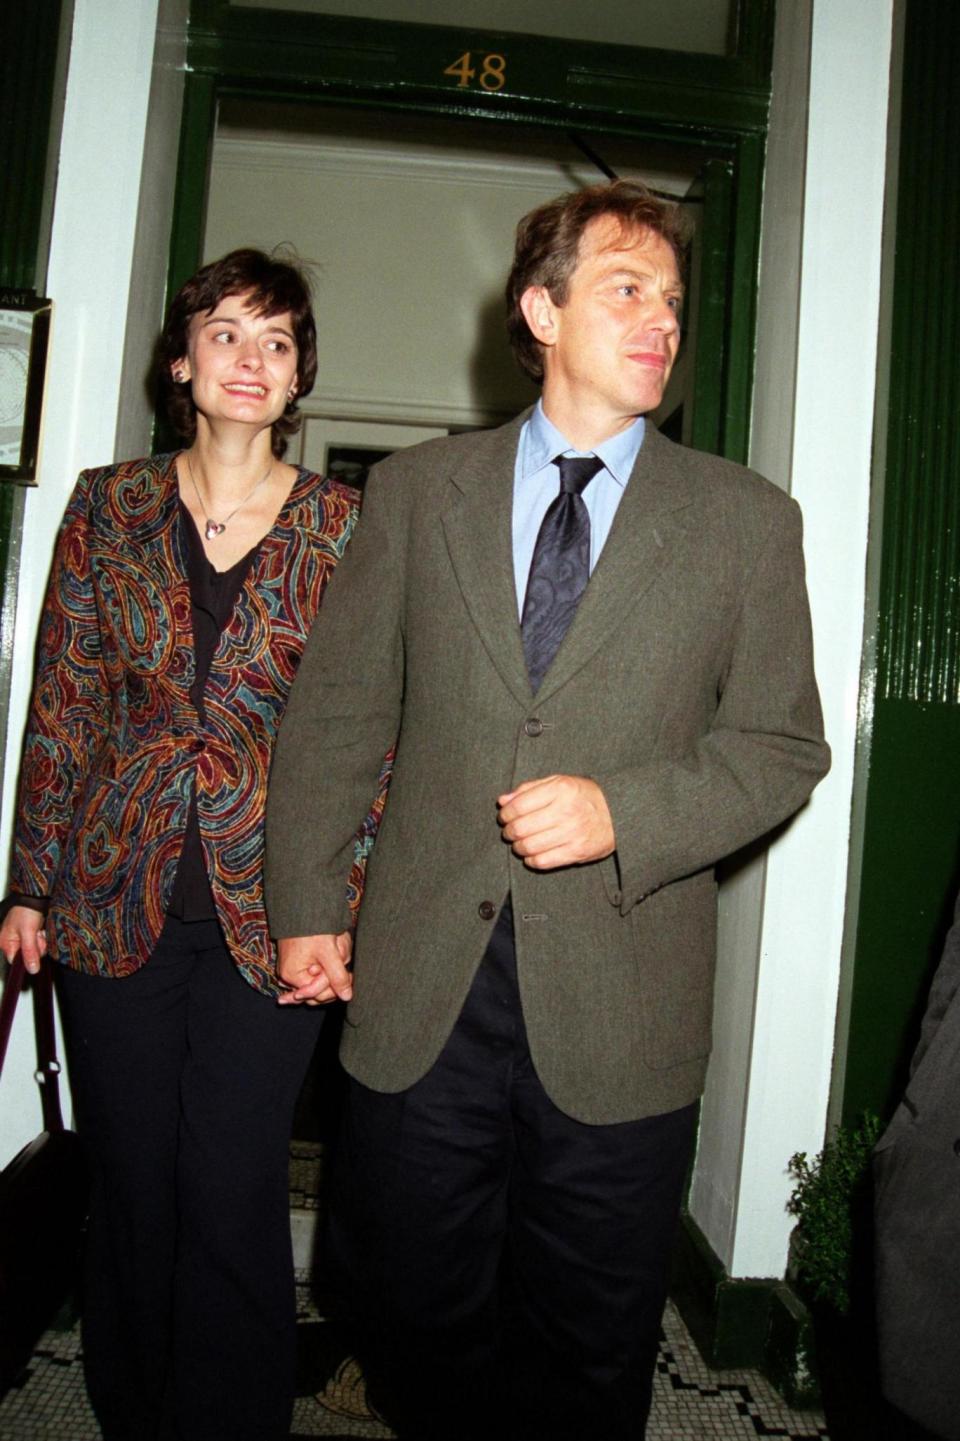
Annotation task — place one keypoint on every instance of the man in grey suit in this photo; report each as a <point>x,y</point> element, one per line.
<point>592,649</point>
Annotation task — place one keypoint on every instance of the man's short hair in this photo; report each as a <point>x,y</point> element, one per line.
<point>548,248</point>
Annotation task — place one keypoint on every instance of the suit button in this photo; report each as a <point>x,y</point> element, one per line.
<point>956,1147</point>
<point>487,910</point>
<point>198,747</point>
<point>533,727</point>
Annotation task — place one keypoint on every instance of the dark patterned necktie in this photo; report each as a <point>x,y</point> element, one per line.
<point>560,567</point>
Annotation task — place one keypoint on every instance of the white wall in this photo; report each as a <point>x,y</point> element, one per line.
<point>89,276</point>
<point>819,299</point>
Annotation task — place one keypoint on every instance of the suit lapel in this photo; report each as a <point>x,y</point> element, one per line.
<point>278,558</point>
<point>165,550</point>
<point>642,540</point>
<point>278,554</point>
<point>140,559</point>
<point>150,509</point>
<point>478,525</point>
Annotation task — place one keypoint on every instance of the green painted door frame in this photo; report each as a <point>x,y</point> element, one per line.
<point>911,702</point>
<point>716,104</point>
<point>29,37</point>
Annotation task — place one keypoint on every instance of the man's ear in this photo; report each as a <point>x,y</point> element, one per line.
<point>540,313</point>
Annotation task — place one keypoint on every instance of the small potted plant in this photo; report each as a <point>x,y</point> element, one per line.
<point>831,1266</point>
<point>831,1195</point>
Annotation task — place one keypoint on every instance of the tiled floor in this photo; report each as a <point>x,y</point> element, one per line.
<point>691,1403</point>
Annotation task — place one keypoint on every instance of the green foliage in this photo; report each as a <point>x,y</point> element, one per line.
<point>825,1200</point>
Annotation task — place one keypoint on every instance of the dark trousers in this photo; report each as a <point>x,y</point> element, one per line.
<point>510,1262</point>
<point>185,1080</point>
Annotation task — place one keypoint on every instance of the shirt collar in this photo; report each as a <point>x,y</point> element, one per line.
<point>618,453</point>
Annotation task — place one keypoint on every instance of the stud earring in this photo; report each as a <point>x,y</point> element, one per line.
<point>179,377</point>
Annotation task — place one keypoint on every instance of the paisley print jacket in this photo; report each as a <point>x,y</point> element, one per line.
<point>114,742</point>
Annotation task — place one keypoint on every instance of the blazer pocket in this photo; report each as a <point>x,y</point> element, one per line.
<point>609,869</point>
<point>675,938</point>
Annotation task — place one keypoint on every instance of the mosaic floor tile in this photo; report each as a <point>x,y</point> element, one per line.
<point>691,1402</point>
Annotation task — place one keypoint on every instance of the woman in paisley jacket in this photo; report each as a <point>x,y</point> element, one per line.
<point>182,593</point>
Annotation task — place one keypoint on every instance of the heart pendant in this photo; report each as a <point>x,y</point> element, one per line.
<point>213,529</point>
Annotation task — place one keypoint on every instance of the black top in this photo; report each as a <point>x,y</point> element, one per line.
<point>213,595</point>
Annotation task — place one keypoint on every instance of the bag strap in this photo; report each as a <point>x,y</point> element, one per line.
<point>8,1004</point>
<point>47,1074</point>
<point>48,1067</point>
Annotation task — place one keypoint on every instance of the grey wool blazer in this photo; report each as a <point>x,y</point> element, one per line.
<point>917,1218</point>
<point>684,687</point>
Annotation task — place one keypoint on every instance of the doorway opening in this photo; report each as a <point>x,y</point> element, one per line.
<point>405,223</point>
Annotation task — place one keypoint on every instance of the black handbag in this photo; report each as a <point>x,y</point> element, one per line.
<point>43,1196</point>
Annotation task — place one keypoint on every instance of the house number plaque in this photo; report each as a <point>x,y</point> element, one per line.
<point>491,74</point>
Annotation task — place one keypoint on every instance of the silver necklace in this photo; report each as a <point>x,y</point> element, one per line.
<point>213,528</point>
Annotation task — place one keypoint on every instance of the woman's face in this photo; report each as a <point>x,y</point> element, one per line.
<point>242,367</point>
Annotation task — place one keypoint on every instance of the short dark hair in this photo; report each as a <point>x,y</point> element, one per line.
<point>548,248</point>
<point>274,286</point>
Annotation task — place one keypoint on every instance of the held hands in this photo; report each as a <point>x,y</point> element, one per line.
<point>313,969</point>
<point>557,821</point>
<point>23,931</point>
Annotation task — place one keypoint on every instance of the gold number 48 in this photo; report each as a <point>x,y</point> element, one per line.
<point>493,72</point>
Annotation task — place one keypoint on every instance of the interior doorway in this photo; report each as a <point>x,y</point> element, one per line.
<point>406,225</point>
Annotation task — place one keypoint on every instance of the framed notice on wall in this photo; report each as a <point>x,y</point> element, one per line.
<point>24,333</point>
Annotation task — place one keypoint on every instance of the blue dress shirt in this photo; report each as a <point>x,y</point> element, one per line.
<point>536,482</point>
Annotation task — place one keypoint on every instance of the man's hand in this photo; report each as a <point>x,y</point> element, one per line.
<point>557,821</point>
<point>314,969</point>
<point>23,931</point>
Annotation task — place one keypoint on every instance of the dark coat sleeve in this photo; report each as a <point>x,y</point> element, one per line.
<point>917,1215</point>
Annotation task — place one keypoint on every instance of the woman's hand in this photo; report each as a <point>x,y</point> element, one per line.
<point>23,931</point>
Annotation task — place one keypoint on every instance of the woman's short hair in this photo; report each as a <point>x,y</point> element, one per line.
<point>273,287</point>
<point>548,248</point>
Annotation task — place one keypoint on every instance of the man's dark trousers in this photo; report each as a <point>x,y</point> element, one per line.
<point>510,1262</point>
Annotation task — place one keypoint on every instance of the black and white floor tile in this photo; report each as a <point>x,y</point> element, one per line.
<point>691,1402</point>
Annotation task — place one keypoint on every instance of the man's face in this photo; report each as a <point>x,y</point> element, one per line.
<point>609,349</point>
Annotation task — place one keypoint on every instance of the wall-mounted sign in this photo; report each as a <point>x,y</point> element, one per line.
<point>24,332</point>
